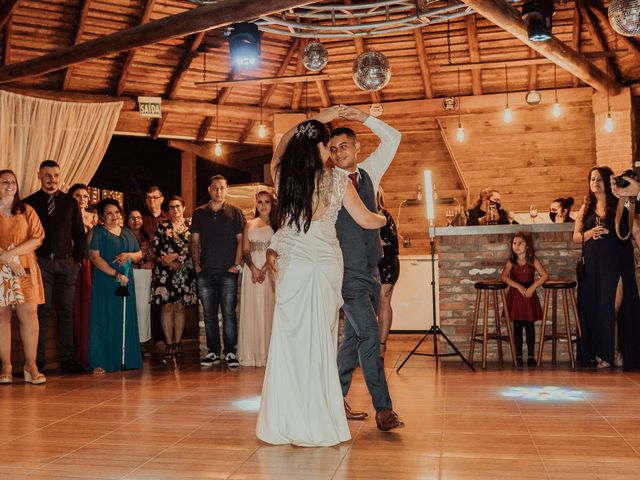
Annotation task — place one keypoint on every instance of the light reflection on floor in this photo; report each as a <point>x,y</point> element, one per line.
<point>248,404</point>
<point>545,394</point>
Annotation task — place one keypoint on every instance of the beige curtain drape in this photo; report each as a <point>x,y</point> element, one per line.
<point>75,135</point>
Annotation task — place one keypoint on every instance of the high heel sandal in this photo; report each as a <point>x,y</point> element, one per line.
<point>6,378</point>
<point>38,379</point>
<point>177,350</point>
<point>168,353</point>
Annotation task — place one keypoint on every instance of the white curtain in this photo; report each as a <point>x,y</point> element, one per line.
<point>75,135</point>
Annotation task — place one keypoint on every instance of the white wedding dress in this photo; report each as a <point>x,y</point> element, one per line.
<point>302,401</point>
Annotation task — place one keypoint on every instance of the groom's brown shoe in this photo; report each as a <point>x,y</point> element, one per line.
<point>353,415</point>
<point>387,419</point>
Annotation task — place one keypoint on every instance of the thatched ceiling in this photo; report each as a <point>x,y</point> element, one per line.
<point>170,66</point>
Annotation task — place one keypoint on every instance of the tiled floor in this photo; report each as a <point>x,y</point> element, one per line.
<point>188,423</point>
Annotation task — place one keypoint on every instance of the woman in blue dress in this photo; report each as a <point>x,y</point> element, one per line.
<point>112,248</point>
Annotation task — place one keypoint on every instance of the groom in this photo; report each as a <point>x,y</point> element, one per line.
<point>362,251</point>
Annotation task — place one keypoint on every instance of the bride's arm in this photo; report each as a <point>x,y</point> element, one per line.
<point>359,212</point>
<point>325,116</point>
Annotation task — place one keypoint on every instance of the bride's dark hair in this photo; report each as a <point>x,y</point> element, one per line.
<point>299,167</point>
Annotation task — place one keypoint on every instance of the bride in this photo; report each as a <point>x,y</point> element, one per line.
<point>302,400</point>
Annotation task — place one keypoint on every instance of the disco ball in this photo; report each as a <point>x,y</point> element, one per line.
<point>624,17</point>
<point>371,71</point>
<point>315,56</point>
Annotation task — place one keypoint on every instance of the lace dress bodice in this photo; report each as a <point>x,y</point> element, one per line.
<point>330,193</point>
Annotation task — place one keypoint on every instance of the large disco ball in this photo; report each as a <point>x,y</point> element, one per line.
<point>624,17</point>
<point>371,71</point>
<point>315,56</point>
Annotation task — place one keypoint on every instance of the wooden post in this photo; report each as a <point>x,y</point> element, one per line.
<point>188,183</point>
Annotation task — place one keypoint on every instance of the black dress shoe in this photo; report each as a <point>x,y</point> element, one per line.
<point>70,367</point>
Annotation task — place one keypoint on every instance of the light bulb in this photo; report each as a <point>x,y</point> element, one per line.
<point>460,133</point>
<point>507,115</point>
<point>608,123</point>
<point>217,149</point>
<point>262,130</point>
<point>555,110</point>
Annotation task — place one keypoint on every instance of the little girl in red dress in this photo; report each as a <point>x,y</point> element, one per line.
<point>522,299</point>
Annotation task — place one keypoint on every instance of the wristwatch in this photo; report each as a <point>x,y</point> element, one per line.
<point>238,267</point>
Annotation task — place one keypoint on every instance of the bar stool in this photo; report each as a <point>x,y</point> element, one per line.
<point>553,287</point>
<point>490,287</point>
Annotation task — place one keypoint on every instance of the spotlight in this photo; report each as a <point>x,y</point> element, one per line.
<point>537,16</point>
<point>244,44</point>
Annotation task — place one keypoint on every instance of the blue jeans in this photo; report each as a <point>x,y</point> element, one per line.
<point>219,290</point>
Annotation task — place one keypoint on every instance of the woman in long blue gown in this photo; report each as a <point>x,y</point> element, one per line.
<point>111,248</point>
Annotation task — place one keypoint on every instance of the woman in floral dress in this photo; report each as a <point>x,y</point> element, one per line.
<point>174,280</point>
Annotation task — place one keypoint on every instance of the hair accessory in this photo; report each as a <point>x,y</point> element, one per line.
<point>307,130</point>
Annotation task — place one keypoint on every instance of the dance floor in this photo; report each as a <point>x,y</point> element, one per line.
<point>187,423</point>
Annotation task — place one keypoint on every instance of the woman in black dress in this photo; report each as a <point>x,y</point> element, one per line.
<point>389,267</point>
<point>608,294</point>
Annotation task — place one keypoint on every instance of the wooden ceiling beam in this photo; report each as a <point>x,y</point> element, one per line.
<point>221,99</point>
<point>474,53</point>
<point>126,66</point>
<point>425,71</point>
<point>206,152</point>
<point>6,11</point>
<point>598,37</point>
<point>82,21</point>
<point>206,17</point>
<point>575,36</point>
<point>631,43</point>
<point>301,78</point>
<point>505,16</point>
<point>6,42</point>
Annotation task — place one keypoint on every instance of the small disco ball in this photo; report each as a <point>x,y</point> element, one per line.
<point>315,56</point>
<point>371,71</point>
<point>624,17</point>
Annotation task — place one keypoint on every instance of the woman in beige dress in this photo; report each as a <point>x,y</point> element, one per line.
<point>257,294</point>
<point>20,280</point>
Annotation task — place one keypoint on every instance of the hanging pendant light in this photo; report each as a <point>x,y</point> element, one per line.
<point>460,129</point>
<point>608,121</point>
<point>507,115</point>
<point>217,149</point>
<point>262,128</point>
<point>555,108</point>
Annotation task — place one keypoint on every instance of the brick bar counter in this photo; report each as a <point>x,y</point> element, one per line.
<point>471,254</point>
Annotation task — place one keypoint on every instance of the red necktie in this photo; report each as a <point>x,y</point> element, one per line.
<point>354,179</point>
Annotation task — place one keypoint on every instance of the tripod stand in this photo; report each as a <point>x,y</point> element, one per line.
<point>435,328</point>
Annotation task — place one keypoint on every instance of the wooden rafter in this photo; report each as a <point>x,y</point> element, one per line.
<point>505,16</point>
<point>302,78</point>
<point>6,11</point>
<point>176,79</point>
<point>6,43</point>
<point>631,43</point>
<point>222,97</point>
<point>282,69</point>
<point>126,66</point>
<point>206,17</point>
<point>474,53</point>
<point>575,36</point>
<point>425,72</point>
<point>598,37</point>
<point>325,99</point>
<point>82,21</point>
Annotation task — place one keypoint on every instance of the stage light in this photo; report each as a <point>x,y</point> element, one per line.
<point>537,16</point>
<point>244,44</point>
<point>428,191</point>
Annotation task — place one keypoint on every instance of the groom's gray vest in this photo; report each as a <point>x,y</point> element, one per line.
<point>361,248</point>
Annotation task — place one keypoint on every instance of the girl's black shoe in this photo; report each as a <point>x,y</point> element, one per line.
<point>531,362</point>
<point>520,361</point>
